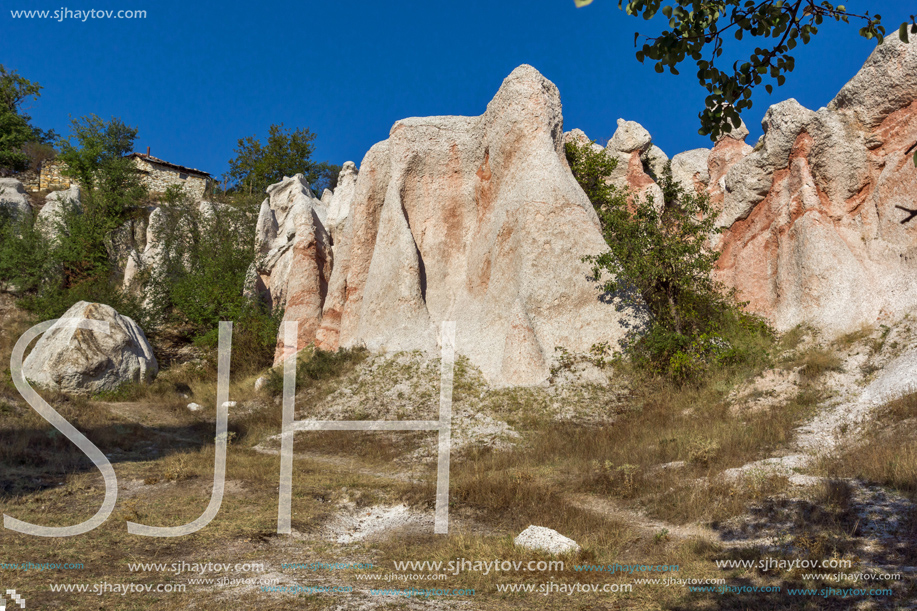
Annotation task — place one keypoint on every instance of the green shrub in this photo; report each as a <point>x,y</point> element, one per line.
<point>206,255</point>
<point>659,261</point>
<point>315,365</point>
<point>24,253</point>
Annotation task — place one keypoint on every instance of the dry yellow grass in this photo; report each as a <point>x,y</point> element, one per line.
<point>887,453</point>
<point>164,455</point>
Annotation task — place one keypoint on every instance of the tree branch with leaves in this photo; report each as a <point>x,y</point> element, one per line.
<point>15,129</point>
<point>699,30</point>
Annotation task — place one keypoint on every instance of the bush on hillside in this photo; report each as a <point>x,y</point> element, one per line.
<point>659,258</point>
<point>206,253</point>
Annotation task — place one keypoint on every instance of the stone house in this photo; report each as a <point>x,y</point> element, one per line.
<point>158,175</point>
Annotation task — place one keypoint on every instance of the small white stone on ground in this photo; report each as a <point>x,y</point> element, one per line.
<point>194,407</point>
<point>539,537</point>
<point>260,383</point>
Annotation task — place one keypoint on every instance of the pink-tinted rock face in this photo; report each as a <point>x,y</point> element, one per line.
<point>296,255</point>
<point>639,182</point>
<point>727,152</point>
<point>476,220</point>
<point>831,243</point>
<point>815,219</point>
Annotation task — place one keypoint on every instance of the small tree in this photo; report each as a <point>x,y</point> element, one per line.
<point>660,252</point>
<point>96,156</point>
<point>15,130</point>
<point>285,153</point>
<point>112,188</point>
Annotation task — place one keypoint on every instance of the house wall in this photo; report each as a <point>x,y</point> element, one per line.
<point>30,180</point>
<point>51,178</point>
<point>158,178</point>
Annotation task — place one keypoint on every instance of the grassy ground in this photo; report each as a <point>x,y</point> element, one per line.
<point>641,485</point>
<point>886,453</point>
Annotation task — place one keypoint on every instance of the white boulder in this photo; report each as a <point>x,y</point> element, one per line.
<point>56,204</point>
<point>83,361</point>
<point>629,137</point>
<point>690,170</point>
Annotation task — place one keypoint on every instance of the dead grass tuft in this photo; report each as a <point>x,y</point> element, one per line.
<point>816,362</point>
<point>887,451</point>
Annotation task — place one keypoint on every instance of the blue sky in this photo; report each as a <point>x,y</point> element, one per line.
<point>195,76</point>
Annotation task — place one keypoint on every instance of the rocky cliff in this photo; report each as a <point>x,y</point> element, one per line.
<point>816,218</point>
<point>817,227</point>
<point>473,219</point>
<point>479,220</point>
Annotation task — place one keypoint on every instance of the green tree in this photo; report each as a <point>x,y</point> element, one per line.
<point>699,29</point>
<point>327,177</point>
<point>79,263</point>
<point>205,257</point>
<point>96,156</point>
<point>659,259</point>
<point>285,152</point>
<point>15,129</point>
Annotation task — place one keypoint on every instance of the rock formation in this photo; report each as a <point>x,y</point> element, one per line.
<point>149,256</point>
<point>654,160</point>
<point>691,171</point>
<point>13,197</point>
<point>341,200</point>
<point>85,361</point>
<point>296,261</point>
<point>479,220</point>
<point>56,204</point>
<point>473,219</point>
<point>632,145</point>
<point>817,219</point>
